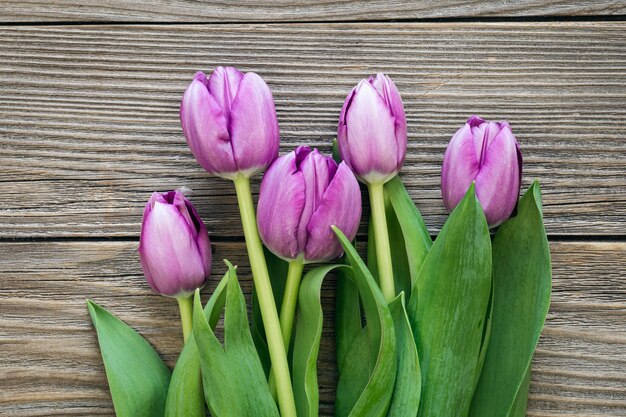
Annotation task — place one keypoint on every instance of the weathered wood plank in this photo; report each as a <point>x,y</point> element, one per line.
<point>90,113</point>
<point>50,364</point>
<point>289,10</point>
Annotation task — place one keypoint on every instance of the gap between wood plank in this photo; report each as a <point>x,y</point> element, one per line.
<point>491,19</point>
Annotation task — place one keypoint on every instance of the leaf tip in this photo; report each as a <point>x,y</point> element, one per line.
<point>230,265</point>
<point>91,306</point>
<point>338,232</point>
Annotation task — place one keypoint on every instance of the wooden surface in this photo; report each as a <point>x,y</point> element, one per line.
<point>89,128</point>
<point>51,366</point>
<point>90,113</point>
<point>293,10</point>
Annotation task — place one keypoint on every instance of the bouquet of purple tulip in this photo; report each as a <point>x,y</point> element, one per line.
<point>443,328</point>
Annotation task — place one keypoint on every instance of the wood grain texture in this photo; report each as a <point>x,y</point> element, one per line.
<point>50,364</point>
<point>289,10</point>
<point>89,114</point>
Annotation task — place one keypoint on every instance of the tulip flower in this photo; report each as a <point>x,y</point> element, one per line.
<point>302,195</point>
<point>488,154</point>
<point>174,250</point>
<point>372,139</point>
<point>230,122</point>
<point>372,131</point>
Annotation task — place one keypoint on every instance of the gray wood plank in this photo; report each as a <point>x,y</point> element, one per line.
<point>89,114</point>
<point>50,364</point>
<point>290,10</point>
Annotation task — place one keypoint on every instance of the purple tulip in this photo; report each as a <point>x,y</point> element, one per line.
<point>302,195</point>
<point>487,153</point>
<point>372,130</point>
<point>230,123</point>
<point>174,247</point>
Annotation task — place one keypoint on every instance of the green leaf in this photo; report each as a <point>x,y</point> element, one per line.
<point>377,347</point>
<point>335,151</point>
<point>347,315</point>
<point>138,378</point>
<point>522,282</point>
<point>521,399</point>
<point>409,239</point>
<point>408,227</point>
<point>185,395</point>
<point>408,387</point>
<point>232,375</point>
<point>277,269</point>
<point>486,334</point>
<point>307,341</point>
<point>447,310</point>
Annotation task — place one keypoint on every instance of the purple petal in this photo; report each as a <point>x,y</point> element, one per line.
<point>204,249</point>
<point>483,135</point>
<point>390,94</point>
<point>498,182</point>
<point>371,142</point>
<point>148,208</point>
<point>205,128</point>
<point>316,177</point>
<point>281,202</point>
<point>223,86</point>
<point>460,167</point>
<point>180,202</point>
<point>202,237</point>
<point>342,129</point>
<point>169,255</point>
<point>254,125</point>
<point>475,121</point>
<point>340,206</point>
<point>301,153</point>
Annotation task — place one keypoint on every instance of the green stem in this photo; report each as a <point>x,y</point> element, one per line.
<point>185,304</point>
<point>278,355</point>
<point>290,299</point>
<point>383,251</point>
<point>288,308</point>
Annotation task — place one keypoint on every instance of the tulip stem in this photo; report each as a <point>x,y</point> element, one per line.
<point>278,355</point>
<point>185,304</point>
<point>381,237</point>
<point>288,308</point>
<point>290,298</point>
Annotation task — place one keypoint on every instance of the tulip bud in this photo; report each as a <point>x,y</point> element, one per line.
<point>230,123</point>
<point>174,246</point>
<point>372,130</point>
<point>302,195</point>
<point>488,154</point>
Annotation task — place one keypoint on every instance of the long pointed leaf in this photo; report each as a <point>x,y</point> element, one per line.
<point>521,399</point>
<point>185,395</point>
<point>448,307</point>
<point>376,395</point>
<point>416,239</point>
<point>406,393</point>
<point>307,341</point>
<point>347,316</point>
<point>138,378</point>
<point>522,281</point>
<point>234,372</point>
